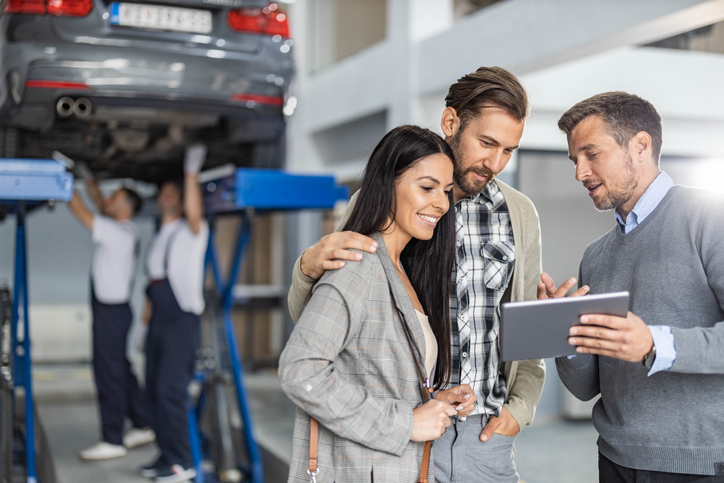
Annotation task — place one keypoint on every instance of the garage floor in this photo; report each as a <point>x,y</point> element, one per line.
<point>550,451</point>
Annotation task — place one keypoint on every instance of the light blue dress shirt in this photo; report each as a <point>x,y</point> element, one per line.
<point>663,338</point>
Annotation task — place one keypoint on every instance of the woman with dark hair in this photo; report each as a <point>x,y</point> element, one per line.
<point>376,332</point>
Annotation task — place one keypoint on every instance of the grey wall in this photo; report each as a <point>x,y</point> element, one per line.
<point>59,256</point>
<point>304,229</point>
<point>568,220</point>
<point>568,224</point>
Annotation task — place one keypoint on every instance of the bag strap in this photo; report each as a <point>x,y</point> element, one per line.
<point>424,381</point>
<point>426,387</point>
<point>426,392</point>
<point>313,448</point>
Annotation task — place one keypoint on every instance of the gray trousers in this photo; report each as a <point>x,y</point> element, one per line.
<point>460,456</point>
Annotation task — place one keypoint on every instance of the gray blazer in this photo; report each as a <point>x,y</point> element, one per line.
<point>523,379</point>
<point>348,364</point>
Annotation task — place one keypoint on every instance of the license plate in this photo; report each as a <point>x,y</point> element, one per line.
<point>161,18</point>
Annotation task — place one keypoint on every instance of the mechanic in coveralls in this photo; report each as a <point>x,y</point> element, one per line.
<point>175,266</point>
<point>116,240</point>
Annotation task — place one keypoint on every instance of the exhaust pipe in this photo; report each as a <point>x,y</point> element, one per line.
<point>83,107</point>
<point>65,106</point>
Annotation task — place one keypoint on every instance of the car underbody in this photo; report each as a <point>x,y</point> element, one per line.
<point>148,147</point>
<point>128,100</point>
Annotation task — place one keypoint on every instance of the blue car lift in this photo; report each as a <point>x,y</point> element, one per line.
<point>24,185</point>
<point>244,192</point>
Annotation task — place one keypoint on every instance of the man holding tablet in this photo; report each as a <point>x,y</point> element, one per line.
<point>660,370</point>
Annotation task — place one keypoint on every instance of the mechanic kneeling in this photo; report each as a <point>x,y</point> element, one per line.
<point>175,266</point>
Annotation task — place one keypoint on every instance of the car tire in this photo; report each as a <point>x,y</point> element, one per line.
<point>6,392</point>
<point>6,435</point>
<point>9,141</point>
<point>268,155</point>
<point>44,464</point>
<point>44,458</point>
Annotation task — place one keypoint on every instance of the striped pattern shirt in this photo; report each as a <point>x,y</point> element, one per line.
<point>486,259</point>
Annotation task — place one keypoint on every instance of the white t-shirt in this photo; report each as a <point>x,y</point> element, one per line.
<point>186,256</point>
<point>114,259</point>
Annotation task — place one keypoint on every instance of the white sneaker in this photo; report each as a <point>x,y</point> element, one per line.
<point>103,451</point>
<point>151,470</point>
<point>175,474</point>
<point>138,437</point>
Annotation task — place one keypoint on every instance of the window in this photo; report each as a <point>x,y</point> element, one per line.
<point>343,27</point>
<point>704,39</point>
<point>463,8</point>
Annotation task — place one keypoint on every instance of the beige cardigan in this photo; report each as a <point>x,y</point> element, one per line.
<point>524,379</point>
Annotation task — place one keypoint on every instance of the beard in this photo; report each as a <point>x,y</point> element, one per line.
<point>618,197</point>
<point>462,176</point>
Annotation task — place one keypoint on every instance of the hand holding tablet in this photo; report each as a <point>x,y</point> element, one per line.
<point>539,329</point>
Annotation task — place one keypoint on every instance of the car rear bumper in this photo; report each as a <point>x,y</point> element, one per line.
<point>193,79</point>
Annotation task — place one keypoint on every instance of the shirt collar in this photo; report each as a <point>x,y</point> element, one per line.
<point>646,204</point>
<point>490,194</point>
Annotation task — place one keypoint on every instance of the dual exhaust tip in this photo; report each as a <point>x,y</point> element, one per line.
<point>67,106</point>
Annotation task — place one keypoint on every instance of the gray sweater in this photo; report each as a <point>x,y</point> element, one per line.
<point>673,266</point>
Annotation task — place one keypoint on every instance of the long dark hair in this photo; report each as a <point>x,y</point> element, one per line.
<point>428,263</point>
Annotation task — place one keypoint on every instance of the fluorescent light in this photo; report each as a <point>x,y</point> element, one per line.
<point>707,173</point>
<point>216,54</point>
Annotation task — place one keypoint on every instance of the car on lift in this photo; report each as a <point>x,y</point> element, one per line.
<point>126,85</point>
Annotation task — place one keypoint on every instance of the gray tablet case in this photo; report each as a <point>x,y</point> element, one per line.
<point>538,329</point>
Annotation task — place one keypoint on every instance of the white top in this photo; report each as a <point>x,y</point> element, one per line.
<point>430,343</point>
<point>114,259</point>
<point>184,259</point>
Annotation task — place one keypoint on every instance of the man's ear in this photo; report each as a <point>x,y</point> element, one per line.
<point>642,149</point>
<point>450,122</point>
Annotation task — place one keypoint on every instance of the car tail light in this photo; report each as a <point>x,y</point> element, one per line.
<point>274,101</point>
<point>51,84</point>
<point>267,21</point>
<point>69,8</point>
<point>25,6</point>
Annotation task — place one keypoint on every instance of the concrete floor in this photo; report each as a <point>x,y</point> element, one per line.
<point>549,451</point>
<point>557,451</point>
<point>65,398</point>
<point>72,426</point>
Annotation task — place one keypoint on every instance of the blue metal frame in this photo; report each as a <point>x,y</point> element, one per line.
<point>24,183</point>
<point>265,190</point>
<point>34,179</point>
<point>22,366</point>
<point>257,468</point>
<point>268,189</point>
<point>225,291</point>
<point>195,438</point>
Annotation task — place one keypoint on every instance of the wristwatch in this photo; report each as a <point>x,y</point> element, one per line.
<point>649,358</point>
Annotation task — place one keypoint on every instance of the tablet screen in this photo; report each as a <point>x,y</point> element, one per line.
<point>538,329</point>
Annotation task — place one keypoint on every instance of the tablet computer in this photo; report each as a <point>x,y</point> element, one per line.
<point>538,329</point>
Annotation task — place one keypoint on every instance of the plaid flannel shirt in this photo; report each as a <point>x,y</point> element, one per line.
<point>484,263</point>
